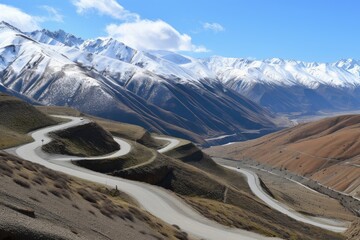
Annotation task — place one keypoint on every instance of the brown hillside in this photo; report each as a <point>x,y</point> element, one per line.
<point>84,140</point>
<point>38,203</point>
<point>17,118</point>
<point>119,129</point>
<point>327,151</point>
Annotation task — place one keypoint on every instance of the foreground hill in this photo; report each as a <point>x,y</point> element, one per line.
<point>326,151</point>
<point>214,191</point>
<point>38,203</point>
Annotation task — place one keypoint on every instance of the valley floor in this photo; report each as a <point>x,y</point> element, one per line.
<point>296,195</point>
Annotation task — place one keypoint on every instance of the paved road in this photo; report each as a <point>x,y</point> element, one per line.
<point>159,202</point>
<point>255,186</point>
<point>172,144</point>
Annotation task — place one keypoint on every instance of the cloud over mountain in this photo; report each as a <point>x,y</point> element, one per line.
<point>18,18</point>
<point>136,32</point>
<point>147,34</point>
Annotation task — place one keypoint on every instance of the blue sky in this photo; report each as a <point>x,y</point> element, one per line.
<point>316,30</point>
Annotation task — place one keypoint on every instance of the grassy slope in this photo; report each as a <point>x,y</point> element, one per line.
<point>83,140</point>
<point>45,191</point>
<point>139,154</point>
<point>192,155</point>
<point>212,190</point>
<point>326,151</point>
<point>353,233</point>
<point>18,118</point>
<point>239,210</point>
<point>206,192</point>
<point>123,130</point>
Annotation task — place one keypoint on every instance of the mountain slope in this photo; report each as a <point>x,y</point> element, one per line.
<point>204,102</point>
<point>199,99</point>
<point>42,74</point>
<point>15,122</point>
<point>326,151</point>
<point>285,86</point>
<point>38,203</point>
<point>292,86</point>
<point>102,83</point>
<point>59,38</point>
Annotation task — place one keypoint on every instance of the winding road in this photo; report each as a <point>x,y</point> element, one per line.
<point>171,145</point>
<point>125,147</point>
<point>159,202</point>
<point>255,186</point>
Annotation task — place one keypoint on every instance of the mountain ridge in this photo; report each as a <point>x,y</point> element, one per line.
<point>281,86</point>
<point>143,91</point>
<point>92,45</point>
<point>208,97</point>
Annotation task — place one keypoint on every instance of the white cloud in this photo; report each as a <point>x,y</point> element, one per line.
<point>26,22</point>
<point>18,18</point>
<point>136,32</point>
<point>154,35</point>
<point>201,49</point>
<point>53,15</point>
<point>215,27</point>
<point>106,7</point>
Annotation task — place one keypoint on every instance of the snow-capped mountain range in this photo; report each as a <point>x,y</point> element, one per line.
<point>166,91</point>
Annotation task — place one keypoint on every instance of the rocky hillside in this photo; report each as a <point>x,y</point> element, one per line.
<point>326,151</point>
<point>38,203</point>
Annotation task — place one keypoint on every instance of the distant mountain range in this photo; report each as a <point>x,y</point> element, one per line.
<point>167,92</point>
<point>292,86</point>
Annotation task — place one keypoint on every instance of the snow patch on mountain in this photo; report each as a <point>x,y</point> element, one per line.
<point>280,72</point>
<point>58,38</point>
<point>109,47</point>
<point>246,72</point>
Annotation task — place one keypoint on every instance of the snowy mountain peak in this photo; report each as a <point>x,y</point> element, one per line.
<point>109,47</point>
<point>57,38</point>
<point>5,25</point>
<point>97,74</point>
<point>171,56</point>
<point>347,63</point>
<point>275,61</point>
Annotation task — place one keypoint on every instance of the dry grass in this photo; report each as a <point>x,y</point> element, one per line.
<point>83,140</point>
<point>18,118</point>
<point>233,216</point>
<point>110,203</point>
<point>128,131</point>
<point>10,138</point>
<point>303,200</point>
<point>138,155</point>
<point>326,150</point>
<point>206,192</point>
<point>353,233</point>
<point>227,215</point>
<point>21,182</point>
<point>57,110</point>
<point>174,175</point>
